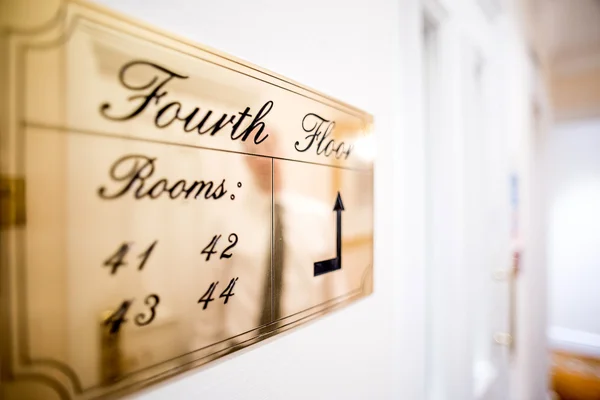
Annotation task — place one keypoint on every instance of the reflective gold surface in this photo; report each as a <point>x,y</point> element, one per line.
<point>178,203</point>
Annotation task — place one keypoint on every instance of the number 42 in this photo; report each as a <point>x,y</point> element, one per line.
<point>209,250</point>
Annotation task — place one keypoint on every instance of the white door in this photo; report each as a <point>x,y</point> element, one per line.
<point>468,216</point>
<point>487,234</point>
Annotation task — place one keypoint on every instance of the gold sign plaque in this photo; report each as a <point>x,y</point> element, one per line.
<point>163,204</point>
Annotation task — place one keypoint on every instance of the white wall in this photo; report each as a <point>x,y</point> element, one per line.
<point>363,52</point>
<point>573,159</point>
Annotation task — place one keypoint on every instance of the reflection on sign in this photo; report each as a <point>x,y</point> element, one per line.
<point>175,203</point>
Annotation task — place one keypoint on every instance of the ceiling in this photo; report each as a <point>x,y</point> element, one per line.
<point>566,36</point>
<point>567,30</point>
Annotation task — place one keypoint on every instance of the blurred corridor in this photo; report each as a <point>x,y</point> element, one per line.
<point>568,35</point>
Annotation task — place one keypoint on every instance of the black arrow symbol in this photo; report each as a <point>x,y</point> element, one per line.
<point>323,267</point>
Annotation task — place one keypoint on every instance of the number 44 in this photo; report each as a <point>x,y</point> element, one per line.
<point>227,293</point>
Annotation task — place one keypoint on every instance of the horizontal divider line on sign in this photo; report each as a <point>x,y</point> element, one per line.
<point>80,131</point>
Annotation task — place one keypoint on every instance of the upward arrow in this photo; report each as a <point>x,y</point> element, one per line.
<point>323,267</point>
<point>338,207</point>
